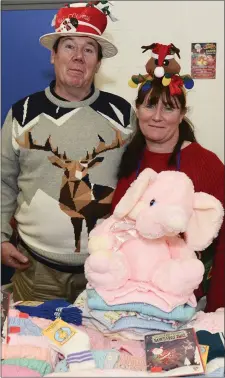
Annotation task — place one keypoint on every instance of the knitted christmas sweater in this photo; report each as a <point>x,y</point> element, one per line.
<point>207,173</point>
<point>59,163</point>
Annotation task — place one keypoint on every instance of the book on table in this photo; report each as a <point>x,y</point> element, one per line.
<point>176,353</point>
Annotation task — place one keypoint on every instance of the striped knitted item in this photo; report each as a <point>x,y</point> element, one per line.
<point>77,351</point>
<point>81,360</point>
<point>79,357</point>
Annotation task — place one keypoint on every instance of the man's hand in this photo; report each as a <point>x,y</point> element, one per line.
<point>12,257</point>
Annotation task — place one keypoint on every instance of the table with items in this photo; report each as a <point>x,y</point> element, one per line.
<point>92,338</point>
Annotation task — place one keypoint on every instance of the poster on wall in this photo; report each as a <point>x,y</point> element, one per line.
<point>203,60</point>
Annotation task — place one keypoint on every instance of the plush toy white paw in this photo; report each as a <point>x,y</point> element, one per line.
<point>99,243</point>
<point>107,270</point>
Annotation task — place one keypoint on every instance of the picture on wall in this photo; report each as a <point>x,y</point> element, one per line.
<point>203,60</point>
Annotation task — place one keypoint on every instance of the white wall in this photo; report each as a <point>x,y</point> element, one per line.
<point>180,22</point>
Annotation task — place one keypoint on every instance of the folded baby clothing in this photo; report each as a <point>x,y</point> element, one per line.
<point>181,313</point>
<point>175,324</point>
<point>118,320</point>
<point>119,335</point>
<point>18,371</point>
<point>212,321</point>
<point>121,320</point>
<point>41,367</point>
<point>133,334</point>
<point>96,326</point>
<point>29,351</point>
<point>37,341</point>
<point>41,323</point>
<point>18,314</point>
<point>133,292</point>
<point>99,342</point>
<point>104,359</point>
<point>128,362</point>
<point>23,326</point>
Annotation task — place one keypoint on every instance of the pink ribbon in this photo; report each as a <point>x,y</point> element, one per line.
<point>123,231</point>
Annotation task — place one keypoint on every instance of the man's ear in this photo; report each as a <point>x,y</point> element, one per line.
<point>98,65</point>
<point>52,57</point>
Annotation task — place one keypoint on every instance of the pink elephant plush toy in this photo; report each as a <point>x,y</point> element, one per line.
<point>145,252</point>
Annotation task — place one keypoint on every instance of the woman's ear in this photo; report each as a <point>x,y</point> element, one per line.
<point>183,115</point>
<point>137,112</point>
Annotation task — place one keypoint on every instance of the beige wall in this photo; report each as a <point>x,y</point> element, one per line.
<point>180,22</point>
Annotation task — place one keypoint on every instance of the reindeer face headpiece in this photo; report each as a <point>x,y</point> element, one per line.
<point>162,65</point>
<point>162,59</point>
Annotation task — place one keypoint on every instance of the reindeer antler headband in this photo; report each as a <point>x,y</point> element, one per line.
<point>162,65</point>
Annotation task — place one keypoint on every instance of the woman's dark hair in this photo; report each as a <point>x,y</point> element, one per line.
<point>135,148</point>
<point>56,45</point>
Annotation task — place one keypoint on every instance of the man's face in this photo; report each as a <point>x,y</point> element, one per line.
<point>76,61</point>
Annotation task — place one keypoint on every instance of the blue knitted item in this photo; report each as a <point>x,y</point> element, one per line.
<point>53,309</point>
<point>105,359</point>
<point>181,313</point>
<point>128,321</point>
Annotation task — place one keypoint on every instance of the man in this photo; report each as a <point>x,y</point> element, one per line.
<point>60,152</point>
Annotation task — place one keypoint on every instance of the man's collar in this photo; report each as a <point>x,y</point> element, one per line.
<point>52,89</point>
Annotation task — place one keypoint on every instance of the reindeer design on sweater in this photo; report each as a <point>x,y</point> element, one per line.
<point>79,198</point>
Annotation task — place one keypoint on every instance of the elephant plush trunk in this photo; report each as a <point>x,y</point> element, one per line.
<point>174,221</point>
<point>162,221</point>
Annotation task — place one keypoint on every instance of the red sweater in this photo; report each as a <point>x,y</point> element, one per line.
<point>207,174</point>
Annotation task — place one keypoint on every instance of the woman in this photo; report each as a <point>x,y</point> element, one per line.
<point>165,140</point>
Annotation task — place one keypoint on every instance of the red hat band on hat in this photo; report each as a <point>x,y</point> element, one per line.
<point>81,20</point>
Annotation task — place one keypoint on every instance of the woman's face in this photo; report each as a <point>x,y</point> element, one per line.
<point>159,122</point>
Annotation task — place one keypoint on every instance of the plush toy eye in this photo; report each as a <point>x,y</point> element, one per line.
<point>152,202</point>
<point>165,62</point>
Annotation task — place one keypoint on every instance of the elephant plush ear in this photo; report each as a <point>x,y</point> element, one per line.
<point>134,193</point>
<point>205,221</point>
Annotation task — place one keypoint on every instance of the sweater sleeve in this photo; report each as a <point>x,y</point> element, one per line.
<point>216,294</point>
<point>9,175</point>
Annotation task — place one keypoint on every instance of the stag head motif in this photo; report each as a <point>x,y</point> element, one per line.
<point>79,198</point>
